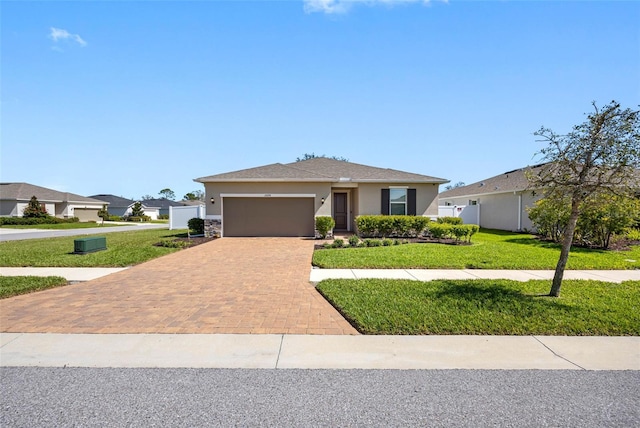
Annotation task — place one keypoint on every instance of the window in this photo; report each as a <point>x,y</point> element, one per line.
<point>473,202</point>
<point>398,201</point>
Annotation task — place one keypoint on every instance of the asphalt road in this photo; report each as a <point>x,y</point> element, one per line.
<point>38,397</point>
<point>8,234</point>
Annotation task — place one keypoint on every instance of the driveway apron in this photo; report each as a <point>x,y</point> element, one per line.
<point>230,285</point>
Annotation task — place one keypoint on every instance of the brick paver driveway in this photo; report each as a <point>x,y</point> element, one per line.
<point>230,285</point>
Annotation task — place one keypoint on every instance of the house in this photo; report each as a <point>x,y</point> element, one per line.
<point>14,197</point>
<point>123,207</point>
<point>499,202</point>
<point>284,199</point>
<point>162,204</point>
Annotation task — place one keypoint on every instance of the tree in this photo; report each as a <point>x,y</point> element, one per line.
<point>35,209</point>
<point>599,155</point>
<point>454,186</point>
<point>103,213</point>
<point>167,194</point>
<point>196,195</point>
<point>136,210</point>
<point>145,197</point>
<point>308,156</point>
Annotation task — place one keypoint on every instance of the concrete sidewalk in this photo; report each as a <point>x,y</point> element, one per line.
<point>617,276</point>
<point>317,275</point>
<point>277,351</point>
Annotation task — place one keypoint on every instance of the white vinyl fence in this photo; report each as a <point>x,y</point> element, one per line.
<point>180,216</point>
<point>470,213</point>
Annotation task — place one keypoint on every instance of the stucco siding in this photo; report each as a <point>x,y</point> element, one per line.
<point>369,200</point>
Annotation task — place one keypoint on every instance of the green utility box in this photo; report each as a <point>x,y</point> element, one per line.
<point>89,245</point>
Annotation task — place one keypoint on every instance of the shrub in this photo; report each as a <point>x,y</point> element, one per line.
<point>197,225</point>
<point>387,242</point>
<point>338,243</point>
<point>138,218</point>
<point>14,221</point>
<point>372,242</point>
<point>324,224</point>
<point>114,218</point>
<point>633,235</point>
<point>354,240</point>
<point>384,226</point>
<point>163,217</point>
<point>439,230</point>
<point>449,220</point>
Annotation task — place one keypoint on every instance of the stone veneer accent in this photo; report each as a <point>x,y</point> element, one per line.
<point>212,228</point>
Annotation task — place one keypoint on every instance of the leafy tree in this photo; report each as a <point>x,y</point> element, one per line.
<point>136,210</point>
<point>34,209</point>
<point>145,197</point>
<point>103,213</point>
<point>196,195</point>
<point>167,194</point>
<point>601,154</point>
<point>454,186</point>
<point>308,156</point>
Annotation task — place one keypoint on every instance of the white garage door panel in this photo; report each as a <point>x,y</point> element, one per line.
<point>268,216</point>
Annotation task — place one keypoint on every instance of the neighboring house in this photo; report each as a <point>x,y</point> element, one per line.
<point>163,204</point>
<point>14,197</point>
<point>284,199</point>
<point>498,202</point>
<point>123,207</point>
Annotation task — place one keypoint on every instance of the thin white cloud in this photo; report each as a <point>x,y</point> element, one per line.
<point>58,34</point>
<point>343,6</point>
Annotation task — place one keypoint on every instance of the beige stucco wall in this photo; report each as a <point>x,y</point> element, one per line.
<point>370,194</point>
<point>321,190</point>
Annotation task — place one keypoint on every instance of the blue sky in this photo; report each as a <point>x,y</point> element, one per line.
<point>129,98</point>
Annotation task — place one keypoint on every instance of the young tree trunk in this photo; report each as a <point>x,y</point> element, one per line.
<point>566,248</point>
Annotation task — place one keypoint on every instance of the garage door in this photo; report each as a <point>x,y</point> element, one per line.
<point>267,216</point>
<point>86,214</point>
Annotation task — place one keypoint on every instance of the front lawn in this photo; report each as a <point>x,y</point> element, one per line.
<point>491,249</point>
<point>14,285</point>
<point>483,307</point>
<point>123,249</point>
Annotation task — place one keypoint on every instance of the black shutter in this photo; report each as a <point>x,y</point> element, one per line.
<point>384,208</point>
<point>411,201</point>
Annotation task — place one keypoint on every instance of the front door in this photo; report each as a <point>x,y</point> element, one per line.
<point>340,210</point>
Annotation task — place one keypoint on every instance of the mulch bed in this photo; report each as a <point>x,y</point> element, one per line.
<point>195,241</point>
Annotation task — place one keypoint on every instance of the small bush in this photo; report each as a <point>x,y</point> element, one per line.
<point>449,220</point>
<point>633,235</point>
<point>324,224</point>
<point>114,218</point>
<point>338,243</point>
<point>372,242</point>
<point>354,240</point>
<point>163,217</point>
<point>196,225</point>
<point>387,242</point>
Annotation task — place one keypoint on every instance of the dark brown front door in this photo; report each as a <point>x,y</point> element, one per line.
<point>340,210</point>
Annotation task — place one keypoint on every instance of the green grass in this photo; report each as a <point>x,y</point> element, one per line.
<point>62,226</point>
<point>501,307</point>
<point>123,249</point>
<point>15,285</point>
<point>491,249</point>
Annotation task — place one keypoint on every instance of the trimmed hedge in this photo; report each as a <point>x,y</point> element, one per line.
<point>449,220</point>
<point>17,221</point>
<point>197,225</point>
<point>459,232</point>
<point>384,226</point>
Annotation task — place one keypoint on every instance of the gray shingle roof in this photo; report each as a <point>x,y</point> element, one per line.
<point>321,170</point>
<point>510,181</point>
<point>24,192</point>
<point>161,203</point>
<point>114,201</point>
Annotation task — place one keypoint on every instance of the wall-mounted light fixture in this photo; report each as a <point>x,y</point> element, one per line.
<point>213,200</point>
<point>322,200</point>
